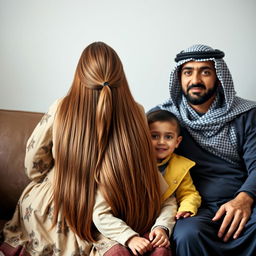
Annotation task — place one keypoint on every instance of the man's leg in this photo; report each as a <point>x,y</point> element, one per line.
<point>195,236</point>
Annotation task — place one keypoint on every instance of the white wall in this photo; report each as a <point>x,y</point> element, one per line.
<point>41,41</point>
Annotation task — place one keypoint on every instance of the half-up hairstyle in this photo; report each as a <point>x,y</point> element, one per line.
<point>102,142</point>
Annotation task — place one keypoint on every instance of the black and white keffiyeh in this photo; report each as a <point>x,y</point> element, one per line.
<point>213,130</point>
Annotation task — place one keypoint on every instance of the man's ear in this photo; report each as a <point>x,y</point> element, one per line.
<point>179,139</point>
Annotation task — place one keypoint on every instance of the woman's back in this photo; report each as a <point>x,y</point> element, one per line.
<point>100,116</point>
<point>94,139</point>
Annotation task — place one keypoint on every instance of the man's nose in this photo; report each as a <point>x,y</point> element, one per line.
<point>196,79</point>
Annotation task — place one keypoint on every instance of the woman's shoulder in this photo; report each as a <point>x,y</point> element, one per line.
<point>54,106</point>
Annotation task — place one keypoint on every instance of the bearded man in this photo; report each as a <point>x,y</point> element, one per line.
<point>219,134</point>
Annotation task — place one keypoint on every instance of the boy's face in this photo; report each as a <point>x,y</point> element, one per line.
<point>164,138</point>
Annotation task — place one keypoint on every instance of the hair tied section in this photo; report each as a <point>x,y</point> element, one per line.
<point>105,84</point>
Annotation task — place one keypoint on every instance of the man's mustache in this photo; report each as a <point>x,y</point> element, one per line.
<point>196,86</point>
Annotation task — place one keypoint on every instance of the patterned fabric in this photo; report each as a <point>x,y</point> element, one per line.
<point>30,231</point>
<point>213,130</point>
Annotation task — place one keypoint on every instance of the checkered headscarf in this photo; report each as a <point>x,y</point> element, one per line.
<point>213,130</point>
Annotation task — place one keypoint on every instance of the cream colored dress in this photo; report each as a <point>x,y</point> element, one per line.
<point>31,224</point>
<point>30,228</point>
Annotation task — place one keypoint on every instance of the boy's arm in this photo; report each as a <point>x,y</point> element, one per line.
<point>166,218</point>
<point>187,196</point>
<point>117,230</point>
<point>108,225</point>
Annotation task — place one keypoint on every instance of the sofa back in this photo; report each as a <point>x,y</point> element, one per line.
<point>15,129</point>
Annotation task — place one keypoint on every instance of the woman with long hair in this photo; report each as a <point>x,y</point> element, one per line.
<point>91,163</point>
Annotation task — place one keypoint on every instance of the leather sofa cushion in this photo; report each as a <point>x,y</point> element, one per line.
<point>15,129</point>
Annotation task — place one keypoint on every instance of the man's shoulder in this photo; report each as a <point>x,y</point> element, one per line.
<point>246,116</point>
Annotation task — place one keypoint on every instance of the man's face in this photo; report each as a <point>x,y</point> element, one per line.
<point>199,81</point>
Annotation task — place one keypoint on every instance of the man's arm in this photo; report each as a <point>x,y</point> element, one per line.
<point>238,211</point>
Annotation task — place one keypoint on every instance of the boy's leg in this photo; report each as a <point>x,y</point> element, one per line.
<point>160,251</point>
<point>118,250</point>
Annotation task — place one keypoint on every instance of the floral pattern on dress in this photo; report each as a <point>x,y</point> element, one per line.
<point>49,213</point>
<point>104,246</point>
<point>56,250</point>
<point>32,234</point>
<point>41,166</point>
<point>62,228</point>
<point>12,228</point>
<point>80,252</point>
<point>28,213</point>
<point>31,144</point>
<point>47,148</point>
<point>45,164</point>
<point>42,178</point>
<point>35,242</point>
<point>45,118</point>
<point>13,240</point>
<point>47,250</point>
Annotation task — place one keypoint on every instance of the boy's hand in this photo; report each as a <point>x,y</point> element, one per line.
<point>159,238</point>
<point>139,245</point>
<point>183,215</point>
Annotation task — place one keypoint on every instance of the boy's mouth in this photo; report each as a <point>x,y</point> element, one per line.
<point>161,149</point>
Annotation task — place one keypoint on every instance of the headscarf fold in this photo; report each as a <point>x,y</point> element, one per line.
<point>213,131</point>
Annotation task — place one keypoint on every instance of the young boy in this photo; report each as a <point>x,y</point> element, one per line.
<point>165,133</point>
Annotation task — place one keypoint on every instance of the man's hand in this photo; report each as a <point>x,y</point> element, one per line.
<point>183,215</point>
<point>237,212</point>
<point>139,245</point>
<point>159,238</point>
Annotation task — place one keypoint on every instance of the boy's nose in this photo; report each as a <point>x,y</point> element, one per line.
<point>161,140</point>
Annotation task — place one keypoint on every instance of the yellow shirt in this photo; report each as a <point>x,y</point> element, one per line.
<point>180,182</point>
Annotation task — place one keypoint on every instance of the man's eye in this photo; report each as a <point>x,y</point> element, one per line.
<point>206,72</point>
<point>187,73</point>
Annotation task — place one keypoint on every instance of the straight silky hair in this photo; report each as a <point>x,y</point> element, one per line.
<point>102,142</point>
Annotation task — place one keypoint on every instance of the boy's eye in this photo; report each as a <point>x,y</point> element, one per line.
<point>154,136</point>
<point>168,137</point>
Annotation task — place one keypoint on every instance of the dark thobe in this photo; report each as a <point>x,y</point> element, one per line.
<point>219,181</point>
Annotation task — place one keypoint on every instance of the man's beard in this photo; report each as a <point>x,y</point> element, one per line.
<point>199,99</point>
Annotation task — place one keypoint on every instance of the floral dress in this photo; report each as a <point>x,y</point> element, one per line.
<point>30,231</point>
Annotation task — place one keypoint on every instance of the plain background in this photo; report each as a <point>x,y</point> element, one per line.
<point>41,42</point>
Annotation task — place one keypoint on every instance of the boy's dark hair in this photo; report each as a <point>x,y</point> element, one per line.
<point>163,116</point>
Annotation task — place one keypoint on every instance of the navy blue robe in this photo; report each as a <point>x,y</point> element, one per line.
<point>219,181</point>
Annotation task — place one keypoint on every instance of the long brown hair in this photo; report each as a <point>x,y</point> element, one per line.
<point>102,142</point>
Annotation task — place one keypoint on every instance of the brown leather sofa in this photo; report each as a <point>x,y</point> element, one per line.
<point>15,129</point>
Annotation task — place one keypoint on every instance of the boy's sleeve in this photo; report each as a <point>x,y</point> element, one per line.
<point>116,229</point>
<point>187,196</point>
<point>167,215</point>
<point>108,225</point>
